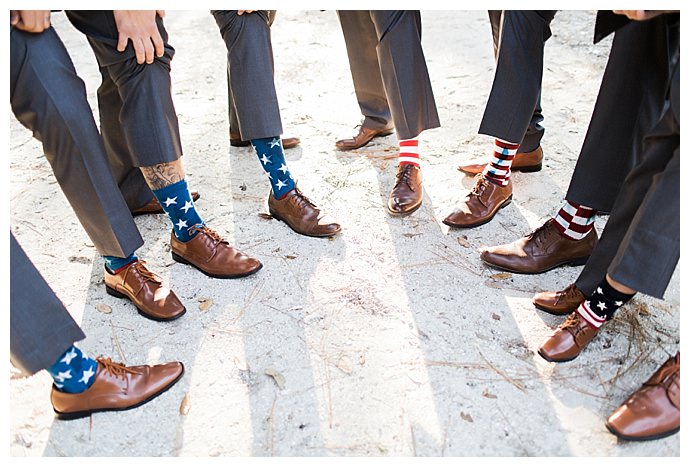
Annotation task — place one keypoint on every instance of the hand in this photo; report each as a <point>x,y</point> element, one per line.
<point>140,27</point>
<point>640,15</point>
<point>30,20</point>
<point>241,12</point>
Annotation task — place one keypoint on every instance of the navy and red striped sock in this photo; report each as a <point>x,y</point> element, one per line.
<point>574,221</point>
<point>498,170</point>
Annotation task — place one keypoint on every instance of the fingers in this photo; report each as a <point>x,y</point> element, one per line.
<point>161,13</point>
<point>122,42</point>
<point>241,12</point>
<point>14,17</point>
<point>158,44</point>
<point>148,50</point>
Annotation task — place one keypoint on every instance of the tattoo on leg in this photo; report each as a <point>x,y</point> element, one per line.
<point>161,175</point>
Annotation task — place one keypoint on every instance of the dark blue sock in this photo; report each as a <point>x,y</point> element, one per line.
<point>272,158</point>
<point>113,263</point>
<point>177,203</point>
<point>73,371</point>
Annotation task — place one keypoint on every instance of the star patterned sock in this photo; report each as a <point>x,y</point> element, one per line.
<point>602,304</point>
<point>409,152</point>
<point>574,221</point>
<point>177,203</point>
<point>498,170</point>
<point>73,371</point>
<point>272,158</point>
<point>114,264</point>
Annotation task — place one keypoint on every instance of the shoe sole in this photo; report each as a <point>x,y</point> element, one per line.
<point>555,361</point>
<point>115,293</point>
<point>379,135</point>
<point>302,233</point>
<point>642,438</point>
<point>180,259</point>
<point>575,262</point>
<point>86,413</point>
<point>485,221</point>
<point>244,144</point>
<point>525,169</point>
<point>402,214</point>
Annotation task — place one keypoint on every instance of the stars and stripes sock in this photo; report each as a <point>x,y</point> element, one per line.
<point>73,371</point>
<point>272,158</point>
<point>409,152</point>
<point>602,304</point>
<point>114,264</point>
<point>498,170</point>
<point>177,203</point>
<point>574,221</point>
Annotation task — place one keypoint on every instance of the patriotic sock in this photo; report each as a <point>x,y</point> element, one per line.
<point>177,203</point>
<point>498,170</point>
<point>574,221</point>
<point>272,158</point>
<point>73,371</point>
<point>114,264</point>
<point>409,152</point>
<point>602,304</point>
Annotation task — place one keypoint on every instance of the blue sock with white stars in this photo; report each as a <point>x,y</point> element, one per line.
<point>73,371</point>
<point>272,158</point>
<point>114,264</point>
<point>177,203</point>
<point>602,304</point>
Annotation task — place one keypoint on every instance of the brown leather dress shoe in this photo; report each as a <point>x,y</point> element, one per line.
<point>569,339</point>
<point>408,192</point>
<point>301,215</point>
<point>146,291</point>
<point>362,138</point>
<point>212,255</point>
<point>540,251</point>
<point>523,162</point>
<point>562,302</point>
<point>481,204</point>
<point>653,411</point>
<point>117,387</point>
<point>288,142</point>
<point>154,207</point>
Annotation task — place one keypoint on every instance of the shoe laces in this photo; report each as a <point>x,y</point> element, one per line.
<point>480,185</point>
<point>116,369</point>
<point>301,199</point>
<point>540,233</point>
<point>144,273</point>
<point>404,175</point>
<point>664,375</point>
<point>570,292</point>
<point>206,230</point>
<point>573,323</point>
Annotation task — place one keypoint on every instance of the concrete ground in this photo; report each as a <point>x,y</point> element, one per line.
<point>392,339</point>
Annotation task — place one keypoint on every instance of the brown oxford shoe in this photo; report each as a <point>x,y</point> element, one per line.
<point>653,411</point>
<point>288,142</point>
<point>569,339</point>
<point>212,255</point>
<point>145,290</point>
<point>154,207</point>
<point>117,387</point>
<point>559,303</point>
<point>302,215</point>
<point>362,138</point>
<point>408,192</point>
<point>481,204</point>
<point>523,162</point>
<point>540,251</point>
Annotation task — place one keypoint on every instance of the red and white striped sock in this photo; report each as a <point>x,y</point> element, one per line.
<point>574,221</point>
<point>409,152</point>
<point>498,170</point>
<point>593,319</point>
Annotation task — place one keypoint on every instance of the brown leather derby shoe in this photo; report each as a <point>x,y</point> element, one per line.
<point>146,291</point>
<point>569,339</point>
<point>302,215</point>
<point>362,138</point>
<point>212,255</point>
<point>540,251</point>
<point>523,162</point>
<point>481,204</point>
<point>562,302</point>
<point>154,207</point>
<point>653,411</point>
<point>289,142</point>
<point>116,387</point>
<point>408,192</point>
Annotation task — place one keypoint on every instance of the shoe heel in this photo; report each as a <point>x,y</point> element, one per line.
<point>531,168</point>
<point>506,202</point>
<point>179,258</point>
<point>71,416</point>
<point>579,261</point>
<point>114,292</point>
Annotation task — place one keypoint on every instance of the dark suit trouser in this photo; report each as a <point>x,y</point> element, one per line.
<point>640,245</point>
<point>360,41</point>
<point>49,98</point>
<point>535,131</point>
<point>629,102</point>
<point>138,119</point>
<point>404,71</point>
<point>41,329</point>
<point>514,106</point>
<point>250,66</point>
